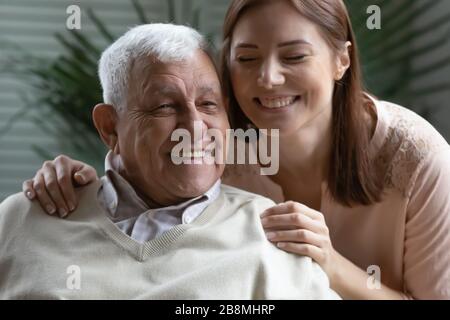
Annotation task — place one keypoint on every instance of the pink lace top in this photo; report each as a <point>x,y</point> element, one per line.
<point>407,235</point>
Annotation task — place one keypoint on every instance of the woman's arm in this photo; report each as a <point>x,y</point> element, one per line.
<point>427,231</point>
<point>351,282</point>
<point>54,184</point>
<point>301,230</point>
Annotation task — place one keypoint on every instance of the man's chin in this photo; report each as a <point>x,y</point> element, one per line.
<point>193,186</point>
<point>190,181</point>
<point>196,172</point>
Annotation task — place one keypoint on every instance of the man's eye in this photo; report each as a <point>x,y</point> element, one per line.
<point>165,106</point>
<point>163,110</point>
<point>208,106</point>
<point>209,103</point>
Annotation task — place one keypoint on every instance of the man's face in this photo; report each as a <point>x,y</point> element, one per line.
<point>163,98</point>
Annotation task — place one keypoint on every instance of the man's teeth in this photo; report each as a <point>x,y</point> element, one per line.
<point>277,102</point>
<point>193,154</point>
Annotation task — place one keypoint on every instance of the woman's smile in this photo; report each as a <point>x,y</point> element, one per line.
<point>277,103</point>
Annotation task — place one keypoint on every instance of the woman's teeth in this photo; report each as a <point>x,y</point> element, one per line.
<point>277,102</point>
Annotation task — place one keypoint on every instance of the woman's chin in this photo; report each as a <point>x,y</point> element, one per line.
<point>278,128</point>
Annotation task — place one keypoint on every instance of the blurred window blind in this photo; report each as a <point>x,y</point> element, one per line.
<point>31,25</point>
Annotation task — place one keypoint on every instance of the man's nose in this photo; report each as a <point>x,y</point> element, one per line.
<point>193,122</point>
<point>270,75</point>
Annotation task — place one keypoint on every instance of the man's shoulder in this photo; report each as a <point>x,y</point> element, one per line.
<point>15,212</point>
<point>17,209</point>
<point>239,208</point>
<point>17,205</point>
<point>237,195</point>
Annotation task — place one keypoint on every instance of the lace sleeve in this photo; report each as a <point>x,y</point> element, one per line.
<point>409,140</point>
<point>427,231</point>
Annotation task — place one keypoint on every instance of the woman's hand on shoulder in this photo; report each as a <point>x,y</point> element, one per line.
<point>296,228</point>
<point>54,184</point>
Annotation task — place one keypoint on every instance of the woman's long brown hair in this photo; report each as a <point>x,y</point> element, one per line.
<point>351,180</point>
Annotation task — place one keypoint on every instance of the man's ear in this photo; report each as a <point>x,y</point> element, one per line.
<point>343,61</point>
<point>105,120</point>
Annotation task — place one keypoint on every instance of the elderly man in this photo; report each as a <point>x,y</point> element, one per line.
<point>150,228</point>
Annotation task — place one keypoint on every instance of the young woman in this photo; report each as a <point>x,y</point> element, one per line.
<point>363,183</point>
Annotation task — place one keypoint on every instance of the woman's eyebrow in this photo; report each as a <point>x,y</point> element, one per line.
<point>294,42</point>
<point>246,45</point>
<point>282,44</point>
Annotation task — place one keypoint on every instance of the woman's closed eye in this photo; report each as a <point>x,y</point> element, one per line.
<point>295,58</point>
<point>246,58</point>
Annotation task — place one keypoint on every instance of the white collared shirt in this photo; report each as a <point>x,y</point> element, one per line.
<point>133,216</point>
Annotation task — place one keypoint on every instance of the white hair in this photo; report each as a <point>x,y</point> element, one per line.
<point>166,42</point>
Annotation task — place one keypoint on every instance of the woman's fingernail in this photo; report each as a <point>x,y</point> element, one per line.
<point>80,178</point>
<point>71,206</point>
<point>263,220</point>
<point>270,235</point>
<point>62,212</point>
<point>50,209</point>
<point>29,195</point>
<point>281,245</point>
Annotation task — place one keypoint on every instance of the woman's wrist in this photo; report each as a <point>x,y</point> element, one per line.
<point>350,282</point>
<point>336,275</point>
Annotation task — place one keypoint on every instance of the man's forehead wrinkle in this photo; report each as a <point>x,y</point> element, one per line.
<point>189,91</point>
<point>166,87</point>
<point>175,79</point>
<point>207,89</point>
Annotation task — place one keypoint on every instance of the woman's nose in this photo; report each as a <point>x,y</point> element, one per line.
<point>270,75</point>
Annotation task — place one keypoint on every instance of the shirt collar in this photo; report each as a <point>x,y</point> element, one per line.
<point>123,202</point>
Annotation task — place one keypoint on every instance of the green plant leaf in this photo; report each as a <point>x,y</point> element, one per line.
<point>100,25</point>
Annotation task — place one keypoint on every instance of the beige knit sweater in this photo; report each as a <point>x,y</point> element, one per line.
<point>223,254</point>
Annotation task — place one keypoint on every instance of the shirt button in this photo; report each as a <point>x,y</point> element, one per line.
<point>113,205</point>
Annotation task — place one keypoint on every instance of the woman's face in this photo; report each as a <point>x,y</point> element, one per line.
<point>282,70</point>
